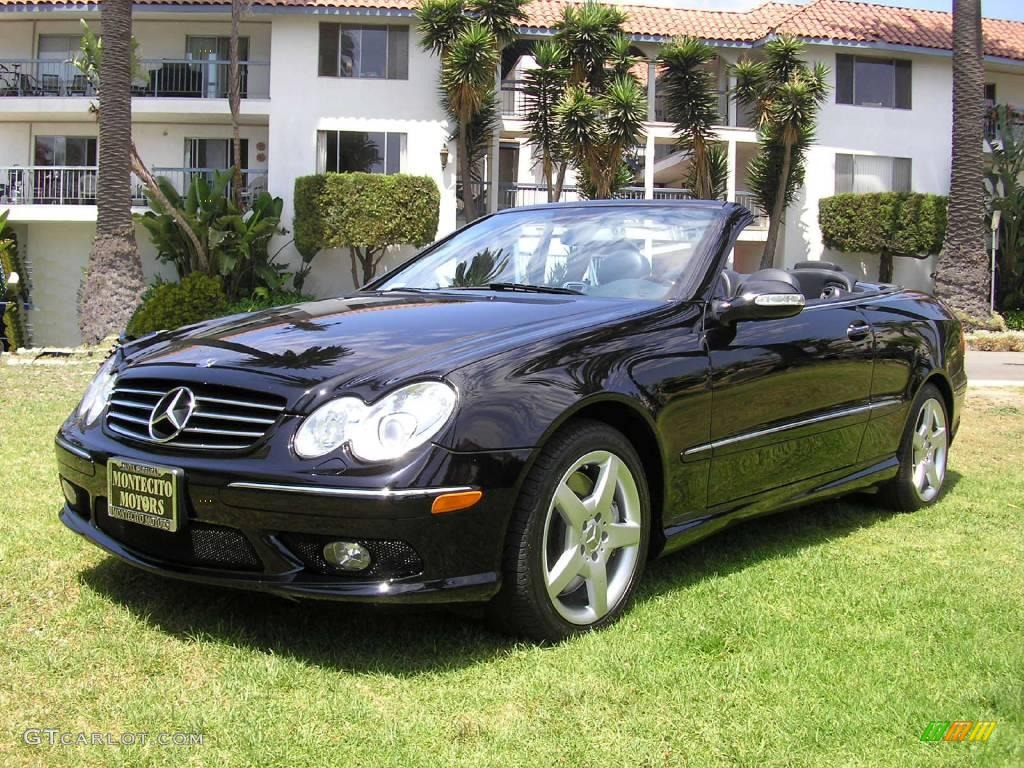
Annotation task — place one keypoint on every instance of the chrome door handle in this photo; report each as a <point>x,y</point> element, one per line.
<point>858,330</point>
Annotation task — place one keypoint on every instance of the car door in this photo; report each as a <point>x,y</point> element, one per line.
<point>790,398</point>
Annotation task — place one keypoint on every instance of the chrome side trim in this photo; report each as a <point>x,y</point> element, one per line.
<point>791,425</point>
<point>74,450</point>
<point>352,493</point>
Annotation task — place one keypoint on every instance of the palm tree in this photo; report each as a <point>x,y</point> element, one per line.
<point>691,102</point>
<point>543,87</point>
<point>238,8</point>
<point>468,37</point>
<point>113,283</point>
<point>786,95</point>
<point>601,116</point>
<point>961,276</point>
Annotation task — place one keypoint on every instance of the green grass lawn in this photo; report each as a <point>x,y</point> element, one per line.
<point>825,636</point>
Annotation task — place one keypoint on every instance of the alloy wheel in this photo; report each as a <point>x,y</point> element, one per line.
<point>930,446</point>
<point>592,536</point>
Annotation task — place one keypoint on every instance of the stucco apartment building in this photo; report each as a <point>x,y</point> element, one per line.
<point>319,74</point>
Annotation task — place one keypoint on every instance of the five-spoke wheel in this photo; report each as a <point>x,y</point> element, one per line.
<point>577,543</point>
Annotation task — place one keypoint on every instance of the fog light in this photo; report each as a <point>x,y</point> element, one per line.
<point>69,492</point>
<point>347,555</point>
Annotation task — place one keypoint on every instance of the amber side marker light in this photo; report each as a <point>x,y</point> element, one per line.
<point>453,502</point>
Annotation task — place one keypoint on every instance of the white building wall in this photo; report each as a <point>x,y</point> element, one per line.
<point>303,103</point>
<point>921,133</point>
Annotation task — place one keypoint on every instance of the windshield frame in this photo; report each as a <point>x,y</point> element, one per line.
<point>726,220</point>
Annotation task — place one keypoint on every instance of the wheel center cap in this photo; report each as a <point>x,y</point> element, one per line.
<point>591,536</point>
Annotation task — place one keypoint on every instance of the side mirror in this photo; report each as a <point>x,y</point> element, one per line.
<point>759,300</point>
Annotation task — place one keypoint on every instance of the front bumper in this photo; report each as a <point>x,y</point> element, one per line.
<point>264,531</point>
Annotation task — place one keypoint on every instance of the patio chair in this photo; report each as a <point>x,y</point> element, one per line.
<point>50,85</point>
<point>79,86</point>
<point>87,188</point>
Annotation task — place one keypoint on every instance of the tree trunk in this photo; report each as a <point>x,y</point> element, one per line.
<point>468,203</point>
<point>701,172</point>
<point>885,267</point>
<point>548,170</point>
<point>778,209</point>
<point>113,282</point>
<point>560,182</point>
<point>238,7</point>
<point>356,258</point>
<point>962,274</point>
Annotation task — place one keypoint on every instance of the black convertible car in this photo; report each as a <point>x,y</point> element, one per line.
<point>522,415</point>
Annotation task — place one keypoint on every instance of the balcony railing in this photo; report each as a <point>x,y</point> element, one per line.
<point>1016,121</point>
<point>76,185</point>
<point>171,78</point>
<point>760,217</point>
<point>513,98</point>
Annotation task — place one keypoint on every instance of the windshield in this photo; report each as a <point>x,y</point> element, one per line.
<point>628,252</point>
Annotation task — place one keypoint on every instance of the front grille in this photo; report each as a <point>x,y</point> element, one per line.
<point>388,559</point>
<point>199,544</point>
<point>225,418</point>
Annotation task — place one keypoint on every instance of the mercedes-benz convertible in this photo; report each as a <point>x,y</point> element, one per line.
<point>521,416</point>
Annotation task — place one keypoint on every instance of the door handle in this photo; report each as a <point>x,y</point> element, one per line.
<point>858,330</point>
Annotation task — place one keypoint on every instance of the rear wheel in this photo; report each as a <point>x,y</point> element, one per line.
<point>577,543</point>
<point>924,450</point>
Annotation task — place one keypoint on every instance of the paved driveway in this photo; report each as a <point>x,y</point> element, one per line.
<point>995,368</point>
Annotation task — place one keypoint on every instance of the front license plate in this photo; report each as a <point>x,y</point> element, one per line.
<point>144,494</point>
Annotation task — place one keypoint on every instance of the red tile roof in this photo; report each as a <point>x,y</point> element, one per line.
<point>825,20</point>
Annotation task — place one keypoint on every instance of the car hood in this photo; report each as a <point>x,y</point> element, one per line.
<point>368,343</point>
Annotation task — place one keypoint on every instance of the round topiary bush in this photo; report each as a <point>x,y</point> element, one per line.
<point>196,298</point>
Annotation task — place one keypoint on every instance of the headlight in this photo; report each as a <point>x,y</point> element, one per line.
<point>391,427</point>
<point>98,393</point>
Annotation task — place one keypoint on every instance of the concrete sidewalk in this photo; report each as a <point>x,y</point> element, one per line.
<point>995,369</point>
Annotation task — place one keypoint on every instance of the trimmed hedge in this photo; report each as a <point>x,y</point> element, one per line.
<point>887,223</point>
<point>365,212</point>
<point>167,306</point>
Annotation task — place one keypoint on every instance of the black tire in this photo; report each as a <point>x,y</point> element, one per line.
<point>903,492</point>
<point>523,606</point>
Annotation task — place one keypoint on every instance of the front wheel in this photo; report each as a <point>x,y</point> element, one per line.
<point>577,542</point>
<point>924,450</point>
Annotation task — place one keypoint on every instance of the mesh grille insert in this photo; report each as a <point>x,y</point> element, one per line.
<point>199,544</point>
<point>389,559</point>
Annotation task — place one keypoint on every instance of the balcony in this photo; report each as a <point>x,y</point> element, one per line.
<point>167,78</point>
<point>760,217</point>
<point>1016,121</point>
<point>76,185</point>
<point>513,105</point>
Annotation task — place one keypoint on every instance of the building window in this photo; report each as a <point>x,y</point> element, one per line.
<point>213,153</point>
<point>359,50</point>
<point>73,151</point>
<point>872,173</point>
<point>870,82</point>
<point>355,151</point>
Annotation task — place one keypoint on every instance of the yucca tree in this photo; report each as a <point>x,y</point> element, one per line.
<point>589,34</point>
<point>600,129</point>
<point>691,103</point>
<point>113,282</point>
<point>961,276</point>
<point>468,37</point>
<point>601,116</point>
<point>786,95</point>
<point>544,87</point>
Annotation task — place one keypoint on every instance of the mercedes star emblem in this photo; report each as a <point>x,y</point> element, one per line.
<point>171,414</point>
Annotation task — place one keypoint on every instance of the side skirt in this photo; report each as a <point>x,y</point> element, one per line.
<point>826,486</point>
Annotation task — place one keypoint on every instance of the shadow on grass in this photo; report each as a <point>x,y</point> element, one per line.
<point>407,641</point>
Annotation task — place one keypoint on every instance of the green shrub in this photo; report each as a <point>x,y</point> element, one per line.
<point>265,300</point>
<point>366,213</point>
<point>996,341</point>
<point>1014,319</point>
<point>887,223</point>
<point>171,305</point>
<point>15,328</point>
